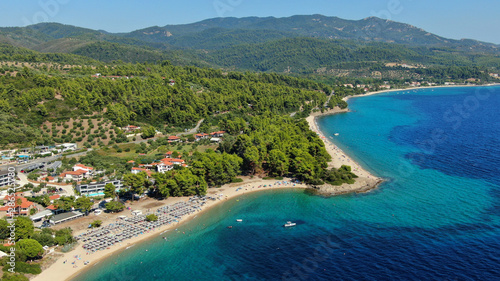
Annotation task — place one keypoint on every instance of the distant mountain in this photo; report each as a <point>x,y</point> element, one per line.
<point>302,43</point>
<point>317,26</point>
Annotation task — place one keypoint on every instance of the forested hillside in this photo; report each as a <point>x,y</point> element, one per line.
<point>142,93</point>
<point>297,45</point>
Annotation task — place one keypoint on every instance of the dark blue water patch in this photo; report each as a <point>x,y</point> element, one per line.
<point>453,138</point>
<point>428,225</point>
<point>415,254</point>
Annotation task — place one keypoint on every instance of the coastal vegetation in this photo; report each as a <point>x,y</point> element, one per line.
<point>28,246</point>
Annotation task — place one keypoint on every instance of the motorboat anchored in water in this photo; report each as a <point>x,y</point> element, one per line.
<point>239,220</point>
<point>289,224</point>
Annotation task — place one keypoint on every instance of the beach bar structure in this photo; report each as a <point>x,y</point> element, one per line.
<point>65,217</point>
<point>40,215</point>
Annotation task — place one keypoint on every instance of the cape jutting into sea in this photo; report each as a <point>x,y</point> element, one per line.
<point>437,217</point>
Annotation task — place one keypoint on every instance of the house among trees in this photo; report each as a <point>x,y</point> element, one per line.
<point>201,136</point>
<point>81,167</point>
<point>174,139</point>
<point>217,134</point>
<point>131,128</point>
<point>19,205</point>
<point>79,173</point>
<point>165,165</point>
<point>67,147</point>
<point>74,175</point>
<point>136,170</point>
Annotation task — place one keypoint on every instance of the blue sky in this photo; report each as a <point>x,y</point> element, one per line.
<point>453,19</point>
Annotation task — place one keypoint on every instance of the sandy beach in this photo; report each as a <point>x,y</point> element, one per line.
<point>75,259</point>
<point>366,180</point>
<point>69,265</point>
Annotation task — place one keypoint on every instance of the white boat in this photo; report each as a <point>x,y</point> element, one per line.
<point>289,224</point>
<point>239,220</point>
<point>336,134</point>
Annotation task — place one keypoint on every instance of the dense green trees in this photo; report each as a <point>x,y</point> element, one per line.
<point>137,183</point>
<point>30,247</point>
<point>64,236</point>
<point>84,204</point>
<point>151,217</point>
<point>109,190</point>
<point>24,228</point>
<point>145,98</point>
<point>216,168</point>
<point>340,176</point>
<point>179,182</point>
<point>115,206</point>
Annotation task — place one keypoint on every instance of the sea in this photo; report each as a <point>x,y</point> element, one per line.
<point>436,216</point>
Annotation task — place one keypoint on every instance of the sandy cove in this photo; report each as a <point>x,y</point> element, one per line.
<point>365,181</point>
<point>66,271</point>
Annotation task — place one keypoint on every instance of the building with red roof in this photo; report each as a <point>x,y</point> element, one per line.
<point>16,205</point>
<point>201,136</point>
<point>136,170</point>
<point>82,167</point>
<point>173,139</point>
<point>74,175</point>
<point>54,197</point>
<point>217,134</point>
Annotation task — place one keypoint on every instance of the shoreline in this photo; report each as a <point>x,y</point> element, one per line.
<point>417,88</point>
<point>66,271</point>
<point>364,183</point>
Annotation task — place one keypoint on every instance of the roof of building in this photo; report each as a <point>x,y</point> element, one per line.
<point>143,170</point>
<point>172,160</point>
<point>83,166</point>
<point>73,173</point>
<point>218,133</point>
<point>53,197</point>
<point>41,214</point>
<point>24,202</point>
<point>65,216</point>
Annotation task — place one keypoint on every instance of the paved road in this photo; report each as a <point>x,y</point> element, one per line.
<point>189,132</point>
<point>329,97</point>
<point>192,131</point>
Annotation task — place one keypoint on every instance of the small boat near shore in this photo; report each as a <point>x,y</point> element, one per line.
<point>289,224</point>
<point>336,134</point>
<point>239,220</point>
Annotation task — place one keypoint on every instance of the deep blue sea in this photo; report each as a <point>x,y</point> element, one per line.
<point>437,217</point>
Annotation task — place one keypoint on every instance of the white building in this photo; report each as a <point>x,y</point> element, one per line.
<point>68,147</point>
<point>5,179</point>
<point>81,167</point>
<point>96,189</point>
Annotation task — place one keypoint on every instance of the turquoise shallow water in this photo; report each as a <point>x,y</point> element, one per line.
<point>435,218</point>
